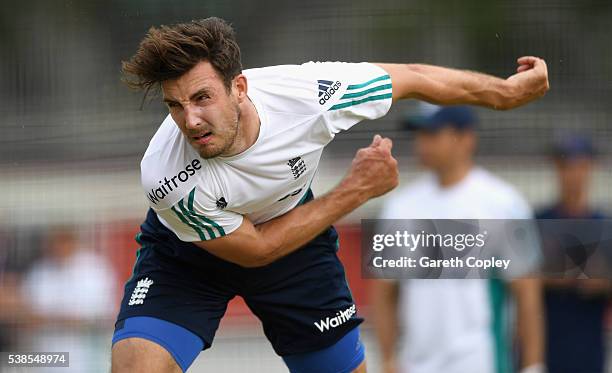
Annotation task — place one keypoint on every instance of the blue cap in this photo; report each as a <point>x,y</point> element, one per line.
<point>459,117</point>
<point>574,146</point>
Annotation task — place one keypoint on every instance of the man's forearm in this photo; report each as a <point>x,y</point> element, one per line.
<point>463,87</point>
<point>446,86</point>
<point>384,295</point>
<point>256,246</point>
<point>530,320</point>
<point>294,229</point>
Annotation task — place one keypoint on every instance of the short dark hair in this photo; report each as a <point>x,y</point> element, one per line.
<point>168,52</point>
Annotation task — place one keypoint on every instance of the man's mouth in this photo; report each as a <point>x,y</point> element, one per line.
<point>203,138</point>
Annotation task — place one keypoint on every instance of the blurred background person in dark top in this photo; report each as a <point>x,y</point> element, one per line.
<point>575,308</point>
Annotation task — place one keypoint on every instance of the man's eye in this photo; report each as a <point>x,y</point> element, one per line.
<point>172,104</point>
<point>202,98</point>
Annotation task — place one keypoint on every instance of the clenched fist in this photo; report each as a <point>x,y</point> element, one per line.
<point>529,82</point>
<point>374,170</point>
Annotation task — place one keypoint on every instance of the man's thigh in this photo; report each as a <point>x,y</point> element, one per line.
<point>361,368</point>
<point>345,356</point>
<point>146,337</point>
<point>171,303</point>
<point>137,355</point>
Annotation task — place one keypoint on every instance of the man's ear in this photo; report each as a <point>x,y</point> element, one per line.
<point>241,87</point>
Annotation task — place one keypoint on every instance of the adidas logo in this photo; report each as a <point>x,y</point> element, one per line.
<point>327,88</point>
<point>140,292</point>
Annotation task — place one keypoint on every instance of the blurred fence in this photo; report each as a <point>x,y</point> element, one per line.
<point>60,64</point>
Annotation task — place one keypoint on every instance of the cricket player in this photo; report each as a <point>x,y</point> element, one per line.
<point>227,177</point>
<point>466,325</point>
<point>572,346</point>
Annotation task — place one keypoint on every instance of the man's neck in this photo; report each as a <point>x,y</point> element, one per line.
<point>574,204</point>
<point>248,128</point>
<point>454,175</point>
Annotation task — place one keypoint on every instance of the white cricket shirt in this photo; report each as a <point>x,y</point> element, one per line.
<point>455,326</point>
<point>301,108</point>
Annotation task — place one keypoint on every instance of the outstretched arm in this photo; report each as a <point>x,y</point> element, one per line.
<point>445,86</point>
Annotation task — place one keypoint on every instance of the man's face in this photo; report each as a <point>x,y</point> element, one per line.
<point>574,174</point>
<point>206,113</point>
<point>62,245</point>
<point>441,149</point>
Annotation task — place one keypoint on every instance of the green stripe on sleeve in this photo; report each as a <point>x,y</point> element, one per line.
<point>185,221</point>
<point>357,86</point>
<point>204,218</point>
<point>363,93</point>
<point>357,102</point>
<point>195,221</point>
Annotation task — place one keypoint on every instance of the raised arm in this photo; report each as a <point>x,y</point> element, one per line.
<point>373,173</point>
<point>445,86</point>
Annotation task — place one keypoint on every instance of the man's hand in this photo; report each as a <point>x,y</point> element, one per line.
<point>529,82</point>
<point>374,171</point>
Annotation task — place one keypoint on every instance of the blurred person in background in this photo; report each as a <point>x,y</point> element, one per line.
<point>455,326</point>
<point>68,295</point>
<point>11,309</point>
<point>14,259</point>
<point>575,308</point>
<point>9,299</point>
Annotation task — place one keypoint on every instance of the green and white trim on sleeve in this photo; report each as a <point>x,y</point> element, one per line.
<point>206,228</point>
<point>365,94</point>
<point>375,89</point>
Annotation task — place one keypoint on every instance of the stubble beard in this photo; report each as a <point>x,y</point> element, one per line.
<point>229,138</point>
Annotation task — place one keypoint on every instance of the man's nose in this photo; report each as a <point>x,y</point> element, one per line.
<point>192,117</point>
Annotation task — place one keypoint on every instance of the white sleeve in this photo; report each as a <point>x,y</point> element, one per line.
<point>339,94</point>
<point>199,219</point>
<point>351,92</point>
<point>521,209</point>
